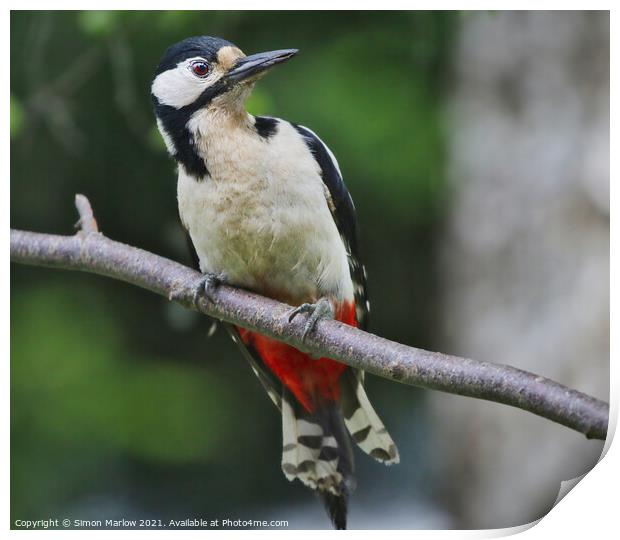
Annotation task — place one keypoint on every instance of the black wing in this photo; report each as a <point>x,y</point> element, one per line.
<point>343,212</point>
<point>269,381</point>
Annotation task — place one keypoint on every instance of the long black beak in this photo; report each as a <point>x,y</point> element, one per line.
<point>257,63</point>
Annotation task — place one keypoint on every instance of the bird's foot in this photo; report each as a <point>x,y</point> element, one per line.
<point>323,309</point>
<point>203,288</point>
<point>207,285</point>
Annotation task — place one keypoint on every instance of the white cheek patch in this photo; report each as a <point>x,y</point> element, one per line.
<point>178,87</point>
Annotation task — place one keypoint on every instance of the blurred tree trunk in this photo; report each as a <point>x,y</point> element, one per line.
<point>526,251</point>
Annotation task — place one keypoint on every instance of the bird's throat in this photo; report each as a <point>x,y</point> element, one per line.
<point>219,136</point>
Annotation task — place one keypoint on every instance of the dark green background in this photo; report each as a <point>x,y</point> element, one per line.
<point>120,405</point>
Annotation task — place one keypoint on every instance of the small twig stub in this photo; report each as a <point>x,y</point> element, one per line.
<point>87,222</point>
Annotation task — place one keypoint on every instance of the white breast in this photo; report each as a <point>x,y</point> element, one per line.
<point>262,218</point>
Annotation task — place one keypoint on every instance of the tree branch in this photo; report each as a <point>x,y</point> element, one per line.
<point>90,251</point>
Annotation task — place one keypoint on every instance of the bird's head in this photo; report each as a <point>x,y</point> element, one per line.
<point>203,72</point>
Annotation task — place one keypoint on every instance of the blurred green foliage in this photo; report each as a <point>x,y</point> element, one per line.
<point>98,23</point>
<point>17,116</point>
<point>119,402</point>
<point>118,396</point>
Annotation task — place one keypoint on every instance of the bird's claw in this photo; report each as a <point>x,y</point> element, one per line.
<point>204,288</point>
<point>323,309</point>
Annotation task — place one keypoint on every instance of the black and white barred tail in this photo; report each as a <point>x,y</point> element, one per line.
<point>317,446</point>
<point>316,450</point>
<point>363,423</point>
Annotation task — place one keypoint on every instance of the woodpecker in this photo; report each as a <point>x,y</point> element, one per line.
<point>266,209</point>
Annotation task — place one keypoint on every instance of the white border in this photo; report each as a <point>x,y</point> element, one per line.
<point>587,511</point>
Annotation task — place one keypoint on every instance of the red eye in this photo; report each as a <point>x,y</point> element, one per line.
<point>200,68</point>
